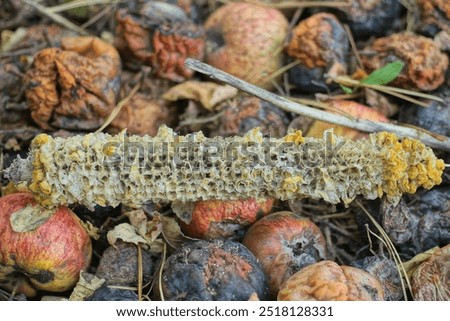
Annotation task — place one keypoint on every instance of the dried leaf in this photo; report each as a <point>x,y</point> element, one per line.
<point>93,231</point>
<point>137,218</point>
<point>126,233</point>
<point>157,247</point>
<point>209,94</point>
<point>172,231</point>
<point>11,38</point>
<point>384,75</point>
<point>86,286</point>
<point>412,265</point>
<point>153,229</point>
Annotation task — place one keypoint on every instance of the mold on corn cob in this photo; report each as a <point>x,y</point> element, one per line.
<point>100,169</point>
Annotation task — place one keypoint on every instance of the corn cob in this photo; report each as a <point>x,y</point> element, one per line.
<point>100,169</point>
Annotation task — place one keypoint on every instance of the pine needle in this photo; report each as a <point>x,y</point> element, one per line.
<point>392,250</point>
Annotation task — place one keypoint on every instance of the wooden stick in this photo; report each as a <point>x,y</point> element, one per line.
<point>434,141</point>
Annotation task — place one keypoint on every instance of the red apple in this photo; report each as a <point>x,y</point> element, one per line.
<point>284,242</point>
<point>217,219</point>
<point>246,40</point>
<point>45,247</point>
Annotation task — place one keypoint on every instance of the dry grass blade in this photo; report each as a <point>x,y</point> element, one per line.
<point>379,238</point>
<point>392,250</point>
<point>353,45</point>
<point>140,271</point>
<point>56,17</point>
<point>79,3</point>
<point>281,70</point>
<point>322,105</point>
<point>347,81</point>
<point>119,107</point>
<point>160,272</point>
<point>401,96</point>
<point>300,4</point>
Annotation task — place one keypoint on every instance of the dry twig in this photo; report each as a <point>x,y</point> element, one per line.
<point>434,141</point>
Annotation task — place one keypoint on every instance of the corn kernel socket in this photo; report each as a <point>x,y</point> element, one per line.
<point>136,170</point>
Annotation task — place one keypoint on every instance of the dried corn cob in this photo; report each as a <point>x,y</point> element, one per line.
<point>107,170</point>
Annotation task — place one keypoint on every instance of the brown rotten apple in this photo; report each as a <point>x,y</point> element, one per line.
<point>284,243</point>
<point>328,281</point>
<point>44,249</point>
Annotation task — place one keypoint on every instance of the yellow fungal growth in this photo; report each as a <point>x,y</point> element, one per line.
<point>100,169</point>
<point>408,165</point>
<point>41,139</point>
<point>295,137</point>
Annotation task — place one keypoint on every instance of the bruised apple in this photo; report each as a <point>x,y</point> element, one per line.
<point>284,243</point>
<point>43,249</point>
<point>225,219</point>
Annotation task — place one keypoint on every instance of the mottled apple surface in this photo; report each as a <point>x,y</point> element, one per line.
<point>225,219</point>
<point>46,248</point>
<point>284,243</point>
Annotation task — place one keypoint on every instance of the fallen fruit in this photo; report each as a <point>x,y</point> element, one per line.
<point>321,46</point>
<point>217,270</point>
<point>221,219</point>
<point>245,40</point>
<point>425,64</point>
<point>386,271</point>
<point>352,108</point>
<point>284,243</point>
<point>430,281</point>
<point>250,112</point>
<point>327,281</point>
<point>75,86</point>
<point>160,35</point>
<point>119,265</point>
<point>48,247</point>
<point>106,293</point>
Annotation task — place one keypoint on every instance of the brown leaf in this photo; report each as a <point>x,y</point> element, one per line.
<point>172,231</point>
<point>153,228</point>
<point>209,94</point>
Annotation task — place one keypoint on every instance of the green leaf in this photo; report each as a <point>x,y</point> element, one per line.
<point>347,90</point>
<point>384,75</point>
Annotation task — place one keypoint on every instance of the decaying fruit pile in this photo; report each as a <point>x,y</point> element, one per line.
<point>120,66</point>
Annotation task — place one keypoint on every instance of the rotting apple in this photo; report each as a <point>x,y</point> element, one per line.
<point>284,242</point>
<point>328,281</point>
<point>246,40</point>
<point>351,108</point>
<point>44,249</point>
<point>225,219</point>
